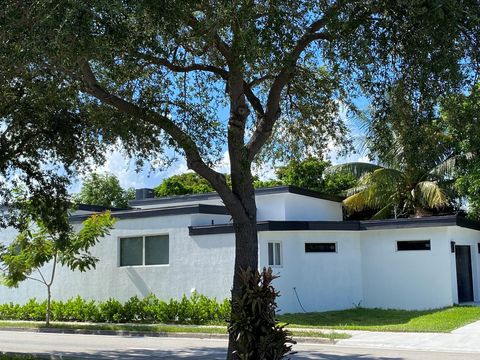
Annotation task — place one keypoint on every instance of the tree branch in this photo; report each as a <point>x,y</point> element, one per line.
<point>194,160</point>
<point>183,68</point>
<point>34,279</point>
<point>272,113</point>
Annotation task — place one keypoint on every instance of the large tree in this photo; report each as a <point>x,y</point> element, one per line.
<point>160,74</point>
<point>104,190</point>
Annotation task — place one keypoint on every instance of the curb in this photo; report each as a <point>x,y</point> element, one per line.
<point>298,339</point>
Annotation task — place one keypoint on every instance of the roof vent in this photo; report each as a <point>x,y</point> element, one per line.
<point>145,193</point>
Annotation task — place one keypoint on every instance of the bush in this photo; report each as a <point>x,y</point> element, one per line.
<point>197,309</point>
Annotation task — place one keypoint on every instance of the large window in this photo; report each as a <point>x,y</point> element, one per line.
<point>274,254</point>
<point>413,245</point>
<point>144,250</point>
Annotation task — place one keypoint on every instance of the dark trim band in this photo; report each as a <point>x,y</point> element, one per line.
<point>166,211</point>
<point>433,221</point>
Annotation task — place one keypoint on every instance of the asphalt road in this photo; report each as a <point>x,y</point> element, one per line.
<point>146,348</point>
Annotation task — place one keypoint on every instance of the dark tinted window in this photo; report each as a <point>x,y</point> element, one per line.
<point>413,245</point>
<point>156,250</point>
<point>131,251</point>
<point>320,247</point>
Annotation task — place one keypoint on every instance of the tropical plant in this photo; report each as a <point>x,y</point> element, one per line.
<point>416,155</point>
<point>394,192</point>
<point>36,246</point>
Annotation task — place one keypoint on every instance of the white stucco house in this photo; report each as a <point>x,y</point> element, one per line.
<point>172,246</point>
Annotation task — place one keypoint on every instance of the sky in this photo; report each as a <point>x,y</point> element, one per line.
<point>125,170</point>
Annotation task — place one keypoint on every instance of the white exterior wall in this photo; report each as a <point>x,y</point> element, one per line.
<point>323,281</point>
<point>406,279</point>
<point>304,208</point>
<point>203,263</point>
<point>278,207</point>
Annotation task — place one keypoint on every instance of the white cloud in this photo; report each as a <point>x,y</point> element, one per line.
<point>125,169</point>
<point>223,166</point>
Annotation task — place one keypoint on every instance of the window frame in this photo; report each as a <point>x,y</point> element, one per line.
<point>280,254</point>
<point>143,236</point>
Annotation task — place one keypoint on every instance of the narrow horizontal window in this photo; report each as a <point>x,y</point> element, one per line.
<point>320,247</point>
<point>413,245</point>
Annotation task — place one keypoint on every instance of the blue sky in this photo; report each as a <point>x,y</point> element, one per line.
<point>124,168</point>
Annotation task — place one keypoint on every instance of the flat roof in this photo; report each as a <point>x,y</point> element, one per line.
<point>352,225</point>
<point>165,211</point>
<point>258,192</point>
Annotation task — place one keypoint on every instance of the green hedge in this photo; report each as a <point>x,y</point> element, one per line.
<point>198,309</point>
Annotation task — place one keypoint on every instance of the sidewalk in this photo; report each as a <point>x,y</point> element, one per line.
<point>464,339</point>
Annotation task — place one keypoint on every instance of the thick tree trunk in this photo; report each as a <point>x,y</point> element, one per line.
<point>246,255</point>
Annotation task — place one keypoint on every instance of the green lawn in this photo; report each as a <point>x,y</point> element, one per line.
<point>158,328</point>
<point>439,320</point>
<point>16,357</point>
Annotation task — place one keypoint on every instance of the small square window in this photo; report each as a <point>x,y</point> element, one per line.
<point>274,254</point>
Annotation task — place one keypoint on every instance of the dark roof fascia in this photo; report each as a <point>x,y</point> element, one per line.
<point>259,192</point>
<point>278,226</point>
<point>166,211</point>
<point>434,221</point>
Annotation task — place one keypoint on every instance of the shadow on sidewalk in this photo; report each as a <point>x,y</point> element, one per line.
<point>205,353</point>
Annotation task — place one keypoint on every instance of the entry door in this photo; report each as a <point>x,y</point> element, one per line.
<point>464,273</point>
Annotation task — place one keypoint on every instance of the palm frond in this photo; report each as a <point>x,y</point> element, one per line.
<point>447,167</point>
<point>384,212</point>
<point>430,194</point>
<point>357,169</point>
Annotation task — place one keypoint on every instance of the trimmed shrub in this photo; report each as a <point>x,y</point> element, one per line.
<point>196,309</point>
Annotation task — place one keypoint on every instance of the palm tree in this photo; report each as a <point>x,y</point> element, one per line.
<point>399,191</point>
<point>405,133</point>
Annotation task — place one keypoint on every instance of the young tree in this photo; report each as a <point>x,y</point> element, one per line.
<point>153,73</point>
<point>104,190</point>
<point>36,246</point>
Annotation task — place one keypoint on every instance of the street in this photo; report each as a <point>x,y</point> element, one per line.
<point>119,347</point>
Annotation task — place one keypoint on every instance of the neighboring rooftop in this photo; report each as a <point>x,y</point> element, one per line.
<point>214,196</point>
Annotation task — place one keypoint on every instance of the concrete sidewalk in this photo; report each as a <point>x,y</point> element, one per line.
<point>464,339</point>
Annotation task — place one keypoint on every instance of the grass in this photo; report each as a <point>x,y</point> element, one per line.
<point>155,328</point>
<point>439,320</point>
<point>16,357</point>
